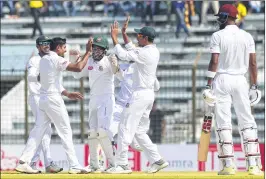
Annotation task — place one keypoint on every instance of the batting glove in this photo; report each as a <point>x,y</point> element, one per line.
<point>208,96</point>
<point>254,95</point>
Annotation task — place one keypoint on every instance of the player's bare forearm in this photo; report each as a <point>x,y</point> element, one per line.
<point>125,38</point>
<point>77,67</point>
<point>123,30</point>
<point>72,95</point>
<point>253,68</point>
<point>115,41</point>
<point>114,32</point>
<point>213,65</point>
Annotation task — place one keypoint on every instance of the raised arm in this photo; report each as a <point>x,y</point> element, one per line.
<point>123,30</point>
<point>77,67</point>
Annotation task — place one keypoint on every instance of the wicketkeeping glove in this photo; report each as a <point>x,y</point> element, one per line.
<point>254,95</point>
<point>208,96</point>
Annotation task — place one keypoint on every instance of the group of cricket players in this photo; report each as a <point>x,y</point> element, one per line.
<point>124,121</point>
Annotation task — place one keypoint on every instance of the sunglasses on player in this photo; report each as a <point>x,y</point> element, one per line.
<point>44,43</point>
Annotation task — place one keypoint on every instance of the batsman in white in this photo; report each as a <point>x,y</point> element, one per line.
<point>101,83</point>
<point>43,45</point>
<point>138,107</point>
<point>233,53</point>
<point>52,107</point>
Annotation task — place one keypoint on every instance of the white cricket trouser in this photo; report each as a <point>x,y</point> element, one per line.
<point>117,114</point>
<point>232,89</point>
<point>134,123</point>
<point>100,112</point>
<point>52,109</point>
<point>33,101</point>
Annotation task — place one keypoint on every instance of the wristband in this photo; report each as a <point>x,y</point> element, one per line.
<point>210,74</point>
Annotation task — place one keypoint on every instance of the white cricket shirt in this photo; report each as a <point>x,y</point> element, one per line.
<point>33,72</point>
<point>234,46</point>
<point>125,75</point>
<point>126,83</point>
<point>51,67</point>
<point>101,77</point>
<point>146,59</point>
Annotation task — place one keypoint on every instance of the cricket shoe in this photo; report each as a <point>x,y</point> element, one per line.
<point>120,169</point>
<point>25,168</point>
<point>53,168</point>
<point>33,165</point>
<point>156,166</point>
<point>227,171</point>
<point>78,170</point>
<point>254,170</point>
<point>92,169</point>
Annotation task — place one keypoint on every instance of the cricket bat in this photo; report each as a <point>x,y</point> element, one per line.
<point>205,137</point>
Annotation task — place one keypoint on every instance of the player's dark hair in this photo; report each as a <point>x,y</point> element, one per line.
<point>150,39</point>
<point>57,41</point>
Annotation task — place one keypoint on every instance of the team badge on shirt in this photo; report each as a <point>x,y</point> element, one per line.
<point>90,67</point>
<point>101,68</point>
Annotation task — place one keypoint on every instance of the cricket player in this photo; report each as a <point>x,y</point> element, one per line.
<point>124,75</point>
<point>52,107</point>
<point>43,45</point>
<point>233,54</point>
<point>101,83</point>
<point>138,107</point>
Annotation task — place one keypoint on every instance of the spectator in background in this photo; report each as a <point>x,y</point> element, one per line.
<point>35,7</point>
<point>198,5</point>
<point>140,10</point>
<point>70,7</point>
<point>148,11</point>
<point>10,5</point>
<point>204,10</point>
<point>180,21</point>
<point>189,11</point>
<point>255,6</point>
<point>157,125</point>
<point>242,13</point>
<point>55,5</point>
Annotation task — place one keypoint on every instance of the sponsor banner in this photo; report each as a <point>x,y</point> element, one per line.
<point>180,157</point>
<point>10,156</point>
<point>212,163</point>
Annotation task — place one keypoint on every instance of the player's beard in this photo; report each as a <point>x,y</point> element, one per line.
<point>97,55</point>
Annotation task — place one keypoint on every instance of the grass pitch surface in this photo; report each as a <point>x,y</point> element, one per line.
<point>134,175</point>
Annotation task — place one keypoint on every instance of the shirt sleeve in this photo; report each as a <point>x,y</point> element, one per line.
<point>132,55</point>
<point>33,71</point>
<point>215,44</point>
<point>62,63</point>
<point>156,85</point>
<point>130,46</point>
<point>251,44</point>
<point>61,87</point>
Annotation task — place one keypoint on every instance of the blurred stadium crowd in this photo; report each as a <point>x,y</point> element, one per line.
<point>183,9</point>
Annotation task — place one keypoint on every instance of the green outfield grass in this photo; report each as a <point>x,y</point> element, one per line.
<point>135,175</point>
